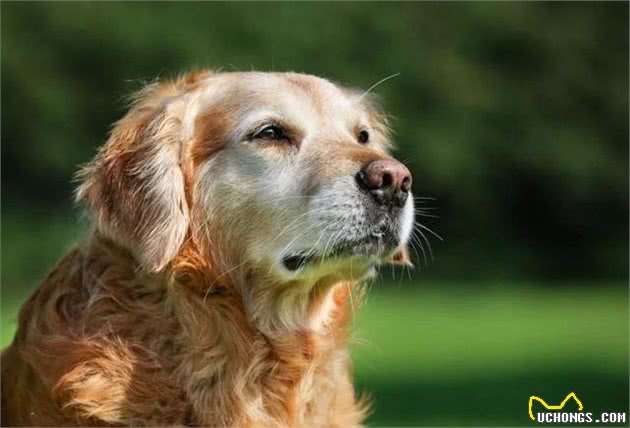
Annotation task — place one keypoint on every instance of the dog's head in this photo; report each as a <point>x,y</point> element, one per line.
<point>281,172</point>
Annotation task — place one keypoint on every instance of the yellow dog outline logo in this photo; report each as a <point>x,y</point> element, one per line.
<point>549,407</point>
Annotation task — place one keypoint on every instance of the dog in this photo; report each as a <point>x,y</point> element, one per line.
<point>232,217</point>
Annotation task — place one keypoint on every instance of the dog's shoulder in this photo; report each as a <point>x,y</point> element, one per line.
<point>79,346</point>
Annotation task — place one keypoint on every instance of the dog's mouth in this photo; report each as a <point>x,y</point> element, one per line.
<point>374,247</point>
<point>297,262</point>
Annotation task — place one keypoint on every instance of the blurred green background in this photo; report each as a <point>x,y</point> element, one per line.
<point>514,116</point>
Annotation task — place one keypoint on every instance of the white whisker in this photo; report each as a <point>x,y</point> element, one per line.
<point>383,80</point>
<point>427,242</point>
<point>429,230</point>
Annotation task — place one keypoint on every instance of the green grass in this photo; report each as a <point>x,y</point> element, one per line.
<point>471,355</point>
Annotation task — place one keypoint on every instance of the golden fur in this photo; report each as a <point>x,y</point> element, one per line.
<point>157,317</point>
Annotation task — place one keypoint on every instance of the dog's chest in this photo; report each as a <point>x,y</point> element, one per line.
<point>291,383</point>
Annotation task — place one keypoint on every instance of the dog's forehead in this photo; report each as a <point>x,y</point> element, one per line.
<point>294,83</point>
<point>283,92</point>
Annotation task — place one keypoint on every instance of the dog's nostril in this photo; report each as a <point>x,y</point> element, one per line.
<point>387,180</point>
<point>406,184</point>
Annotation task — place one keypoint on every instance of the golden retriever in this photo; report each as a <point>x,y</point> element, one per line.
<point>232,217</point>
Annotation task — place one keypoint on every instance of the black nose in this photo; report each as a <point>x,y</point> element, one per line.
<point>387,180</point>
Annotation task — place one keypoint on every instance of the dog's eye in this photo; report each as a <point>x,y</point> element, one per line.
<point>271,132</point>
<point>363,136</point>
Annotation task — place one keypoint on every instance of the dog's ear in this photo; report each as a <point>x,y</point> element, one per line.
<point>401,257</point>
<point>134,189</point>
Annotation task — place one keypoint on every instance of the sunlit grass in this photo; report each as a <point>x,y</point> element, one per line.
<point>451,331</point>
<point>471,355</point>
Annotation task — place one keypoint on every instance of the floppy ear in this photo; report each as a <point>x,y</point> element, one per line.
<point>134,189</point>
<point>401,257</point>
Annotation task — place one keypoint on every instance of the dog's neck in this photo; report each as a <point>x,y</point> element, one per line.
<point>263,353</point>
<point>276,308</point>
<point>280,308</point>
<point>273,306</point>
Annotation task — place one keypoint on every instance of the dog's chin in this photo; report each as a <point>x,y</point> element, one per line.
<point>354,259</point>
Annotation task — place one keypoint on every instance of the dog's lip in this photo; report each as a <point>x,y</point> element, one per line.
<point>296,262</point>
<point>373,246</point>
